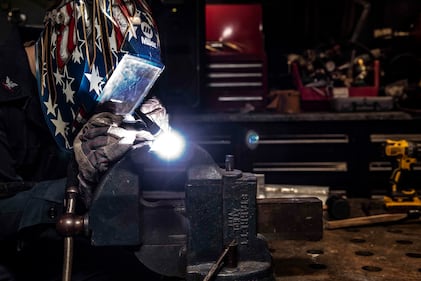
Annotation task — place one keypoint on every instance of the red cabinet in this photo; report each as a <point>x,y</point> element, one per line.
<point>235,59</point>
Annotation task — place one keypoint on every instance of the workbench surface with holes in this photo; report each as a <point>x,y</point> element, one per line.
<point>381,252</point>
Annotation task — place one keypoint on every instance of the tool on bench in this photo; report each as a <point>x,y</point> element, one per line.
<point>374,219</point>
<point>402,197</point>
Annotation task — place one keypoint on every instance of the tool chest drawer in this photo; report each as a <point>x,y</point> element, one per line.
<point>300,155</point>
<point>339,150</point>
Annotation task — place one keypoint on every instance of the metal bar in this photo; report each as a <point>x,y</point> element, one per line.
<point>300,167</point>
<point>231,75</point>
<point>234,65</point>
<point>70,206</point>
<point>239,98</point>
<point>304,139</point>
<point>234,84</point>
<point>68,258</point>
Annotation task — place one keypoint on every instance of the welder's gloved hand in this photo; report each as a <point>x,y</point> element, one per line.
<point>155,111</point>
<point>100,143</point>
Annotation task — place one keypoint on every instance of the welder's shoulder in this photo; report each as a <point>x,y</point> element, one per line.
<point>15,75</point>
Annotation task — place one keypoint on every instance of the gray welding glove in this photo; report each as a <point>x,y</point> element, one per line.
<point>100,143</point>
<point>155,111</point>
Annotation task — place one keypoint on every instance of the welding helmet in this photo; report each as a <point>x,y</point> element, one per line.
<point>81,46</point>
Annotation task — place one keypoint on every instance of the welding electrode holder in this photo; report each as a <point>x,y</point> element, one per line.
<point>150,125</point>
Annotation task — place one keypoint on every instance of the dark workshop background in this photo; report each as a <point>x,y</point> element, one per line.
<point>289,26</point>
<point>292,26</point>
<point>342,151</point>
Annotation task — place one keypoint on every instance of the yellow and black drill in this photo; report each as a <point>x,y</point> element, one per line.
<point>406,153</point>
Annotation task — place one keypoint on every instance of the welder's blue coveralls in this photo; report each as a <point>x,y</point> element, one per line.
<point>32,168</point>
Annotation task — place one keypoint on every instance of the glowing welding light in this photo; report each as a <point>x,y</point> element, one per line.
<point>168,145</point>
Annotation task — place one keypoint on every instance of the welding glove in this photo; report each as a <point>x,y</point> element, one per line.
<point>106,137</point>
<point>155,111</point>
<point>101,142</point>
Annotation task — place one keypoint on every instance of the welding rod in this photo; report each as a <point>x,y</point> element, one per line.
<point>218,263</point>
<point>367,220</point>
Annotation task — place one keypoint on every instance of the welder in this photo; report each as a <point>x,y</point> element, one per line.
<point>57,130</point>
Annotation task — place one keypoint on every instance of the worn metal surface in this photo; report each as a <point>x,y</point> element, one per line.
<point>290,218</point>
<point>383,252</point>
<point>221,207</point>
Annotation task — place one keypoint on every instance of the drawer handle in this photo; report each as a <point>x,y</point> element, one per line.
<point>300,167</point>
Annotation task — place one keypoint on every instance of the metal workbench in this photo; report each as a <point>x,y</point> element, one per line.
<point>383,252</point>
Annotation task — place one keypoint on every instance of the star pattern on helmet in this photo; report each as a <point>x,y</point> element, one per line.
<point>96,81</point>
<point>60,125</point>
<point>51,107</point>
<point>67,87</point>
<point>132,32</point>
<point>58,76</point>
<point>77,55</point>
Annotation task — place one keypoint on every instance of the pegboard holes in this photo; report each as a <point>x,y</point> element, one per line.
<point>372,268</point>
<point>414,255</point>
<point>364,253</point>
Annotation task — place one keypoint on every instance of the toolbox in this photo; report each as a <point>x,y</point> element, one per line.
<point>235,66</point>
<point>319,98</point>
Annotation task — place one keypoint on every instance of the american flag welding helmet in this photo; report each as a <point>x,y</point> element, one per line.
<point>80,46</point>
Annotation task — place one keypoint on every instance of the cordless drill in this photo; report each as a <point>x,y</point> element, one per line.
<point>406,154</point>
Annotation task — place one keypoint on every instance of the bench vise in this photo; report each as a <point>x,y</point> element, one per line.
<point>189,218</point>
